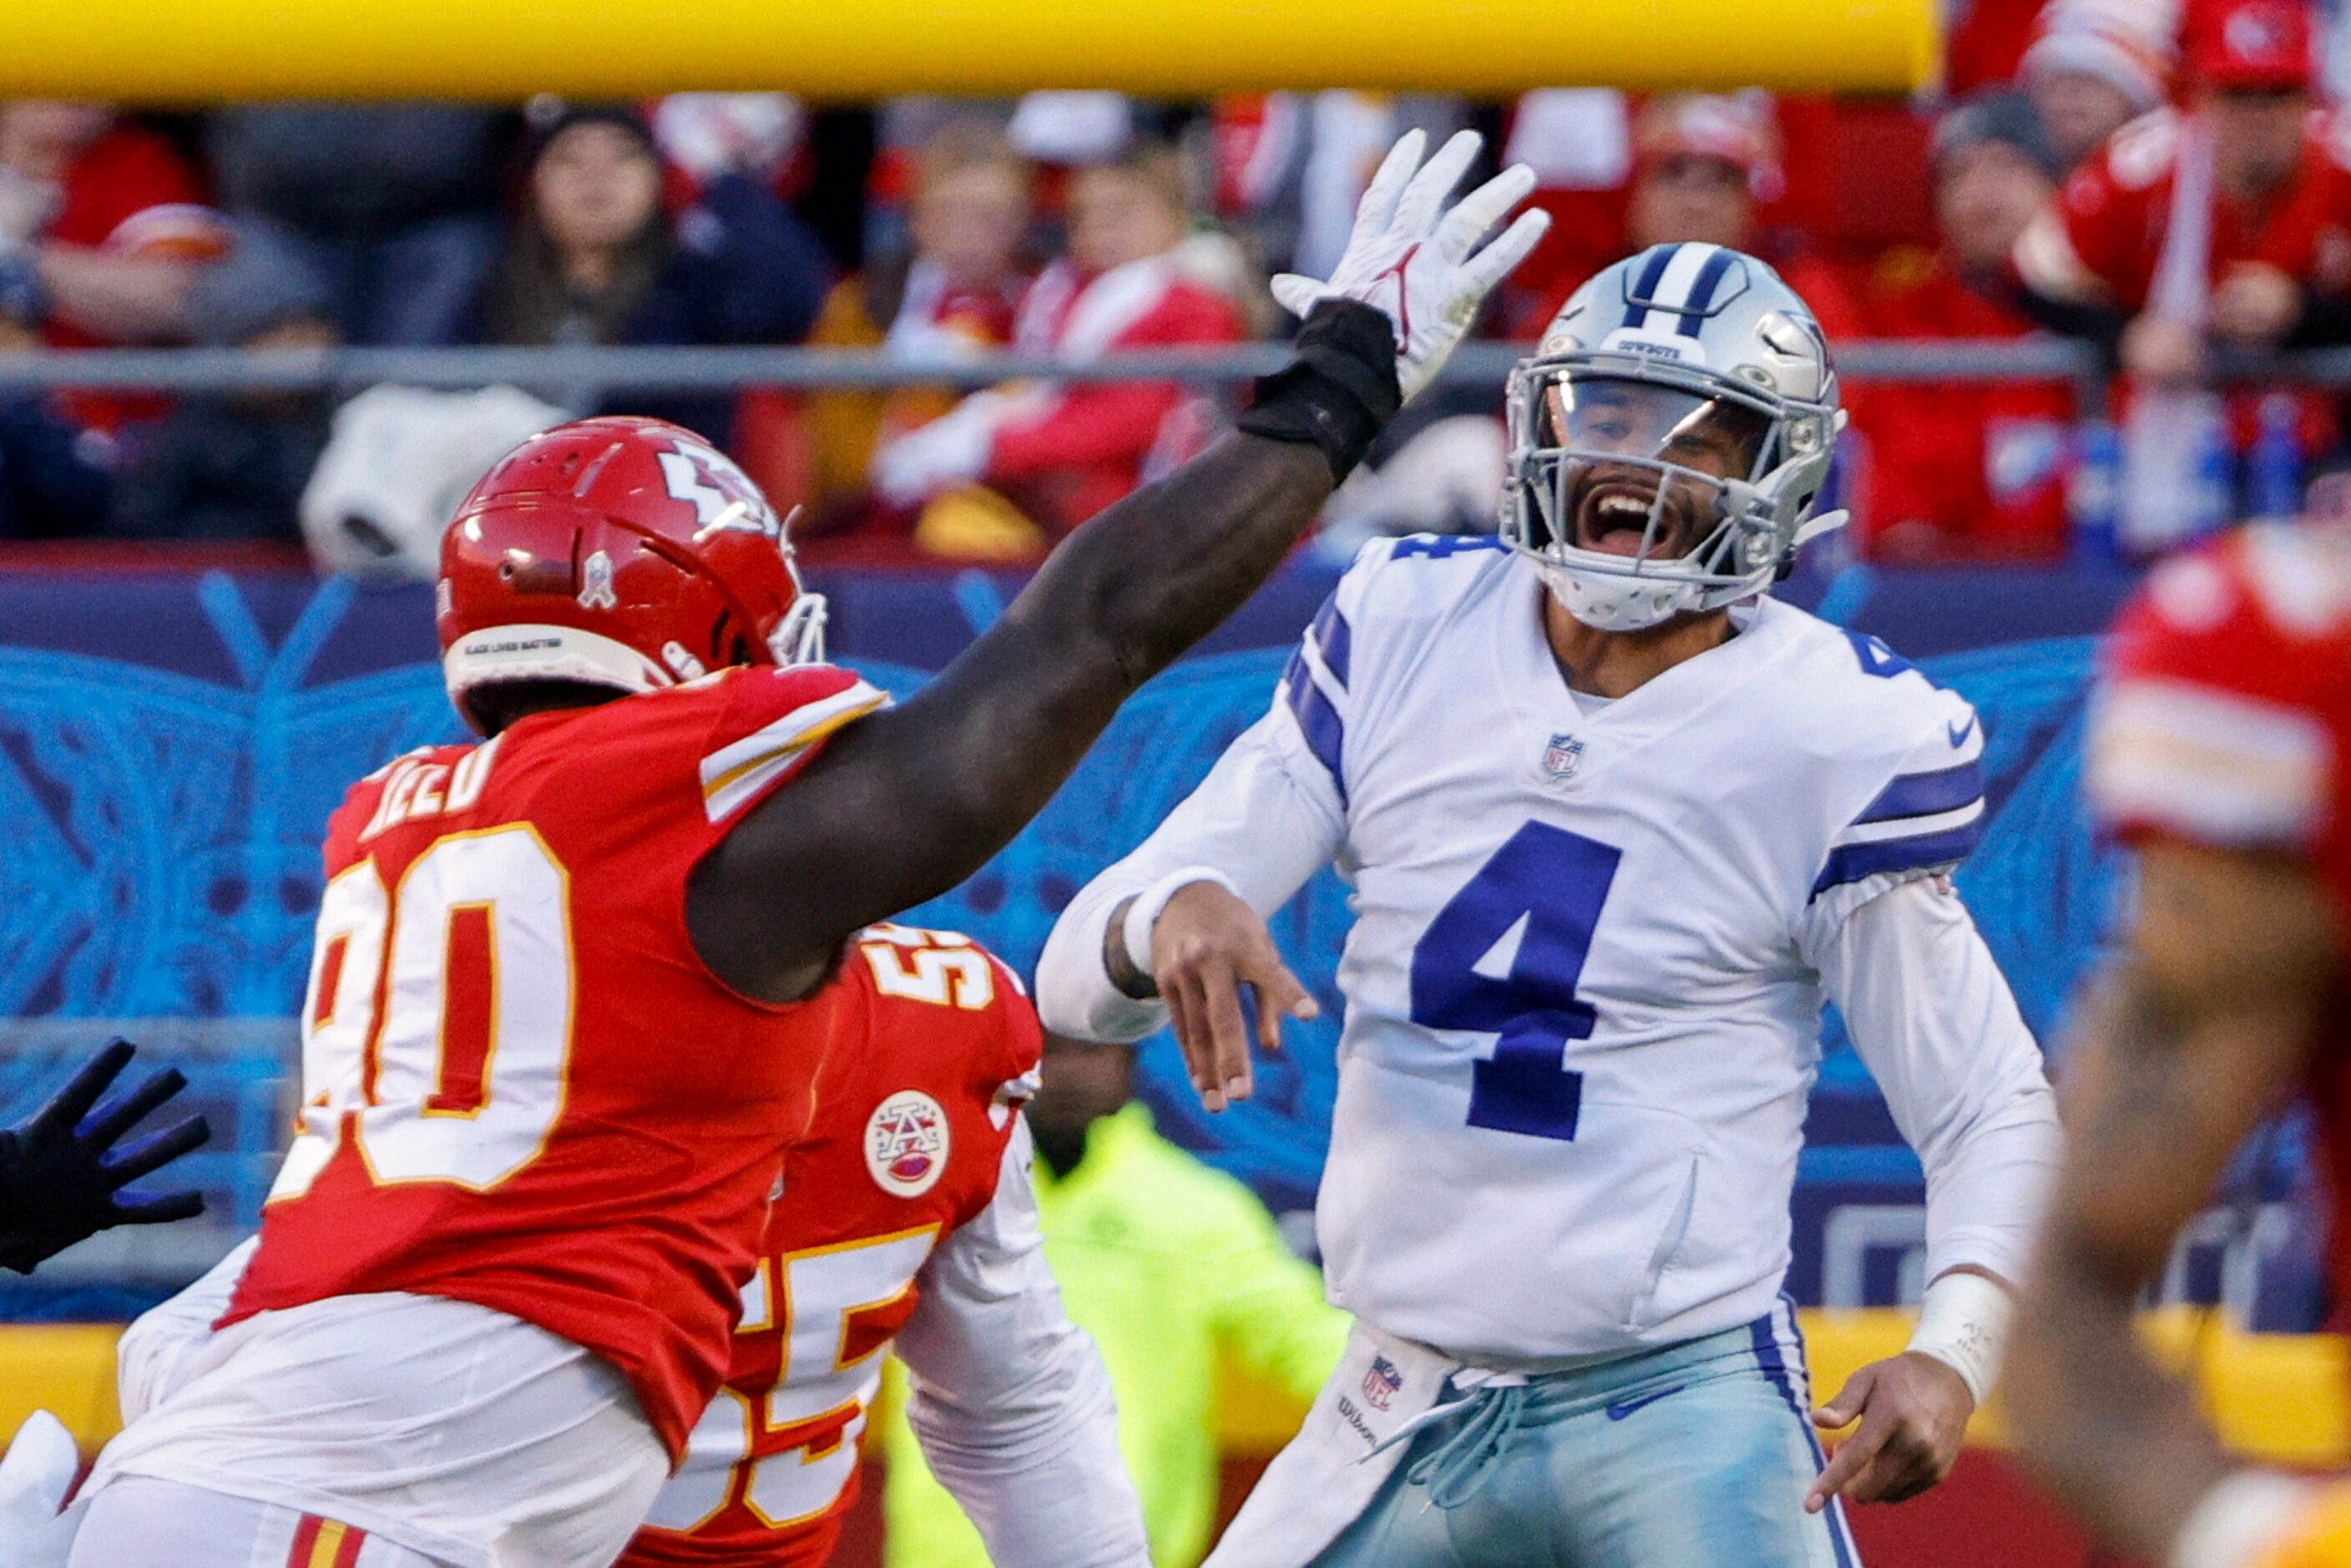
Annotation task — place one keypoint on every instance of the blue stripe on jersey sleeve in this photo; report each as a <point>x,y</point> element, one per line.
<point>1320,722</point>
<point>1333,638</point>
<point>1921,852</point>
<point>1925,794</point>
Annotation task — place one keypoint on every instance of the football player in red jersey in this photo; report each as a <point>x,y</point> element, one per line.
<point>568,991</point>
<point>907,1211</point>
<point>2222,748</point>
<point>906,1220</point>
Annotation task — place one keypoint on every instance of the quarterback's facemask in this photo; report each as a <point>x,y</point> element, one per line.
<point>1635,469</point>
<point>1669,439</point>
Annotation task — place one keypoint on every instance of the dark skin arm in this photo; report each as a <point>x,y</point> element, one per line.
<point>2202,1029</point>
<point>904,805</point>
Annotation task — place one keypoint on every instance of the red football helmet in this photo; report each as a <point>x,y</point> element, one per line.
<point>622,552</point>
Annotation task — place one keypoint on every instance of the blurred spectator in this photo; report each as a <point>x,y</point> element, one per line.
<point>2095,66</point>
<point>49,487</point>
<point>1703,165</point>
<point>956,292</point>
<point>594,258</point>
<point>2220,218</point>
<point>231,465</point>
<point>1984,40</point>
<point>1288,168</point>
<point>101,227</point>
<point>1063,453</point>
<point>1968,469</point>
<point>2221,222</point>
<point>392,207</point>
<point>1172,1267</point>
<point>707,135</point>
<point>102,222</point>
<point>1579,143</point>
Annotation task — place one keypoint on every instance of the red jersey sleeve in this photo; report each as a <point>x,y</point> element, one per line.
<point>1023,1038</point>
<point>771,724</point>
<point>2098,241</point>
<point>2225,706</point>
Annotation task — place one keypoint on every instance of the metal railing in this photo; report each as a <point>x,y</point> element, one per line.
<point>696,368</point>
<point>589,371</point>
<point>668,369</point>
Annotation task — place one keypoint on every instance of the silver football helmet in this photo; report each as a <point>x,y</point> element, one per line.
<point>1670,436</point>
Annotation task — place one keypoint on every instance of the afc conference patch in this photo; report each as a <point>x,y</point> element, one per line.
<point>1562,756</point>
<point>906,1144</point>
<point>1382,1383</point>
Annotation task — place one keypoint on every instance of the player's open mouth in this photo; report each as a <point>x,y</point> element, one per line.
<point>1614,518</point>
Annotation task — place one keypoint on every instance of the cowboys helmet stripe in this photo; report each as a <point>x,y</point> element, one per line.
<point>1673,292</point>
<point>1644,290</point>
<point>1701,304</point>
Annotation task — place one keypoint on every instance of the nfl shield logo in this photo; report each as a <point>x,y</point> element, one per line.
<point>1562,756</point>
<point>1380,1383</point>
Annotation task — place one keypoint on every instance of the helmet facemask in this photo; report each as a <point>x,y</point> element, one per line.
<point>798,637</point>
<point>1641,489</point>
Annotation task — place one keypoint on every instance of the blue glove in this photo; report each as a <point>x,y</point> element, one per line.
<point>61,1183</point>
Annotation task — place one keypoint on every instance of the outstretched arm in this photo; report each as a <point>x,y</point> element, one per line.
<point>62,1177</point>
<point>904,805</point>
<point>1250,835</point>
<point>2202,1027</point>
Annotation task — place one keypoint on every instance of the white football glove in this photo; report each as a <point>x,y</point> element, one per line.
<point>35,1476</point>
<point>1418,262</point>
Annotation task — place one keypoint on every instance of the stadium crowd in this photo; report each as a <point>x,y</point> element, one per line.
<point>2158,178</point>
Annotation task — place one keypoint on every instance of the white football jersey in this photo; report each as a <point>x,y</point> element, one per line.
<point>1583,983</point>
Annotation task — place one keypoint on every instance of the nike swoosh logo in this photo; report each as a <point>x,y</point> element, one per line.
<point>1618,1412</point>
<point>1959,732</point>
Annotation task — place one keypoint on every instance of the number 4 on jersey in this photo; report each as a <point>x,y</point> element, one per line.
<point>1504,957</point>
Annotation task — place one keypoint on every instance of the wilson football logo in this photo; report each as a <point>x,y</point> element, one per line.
<point>906,1144</point>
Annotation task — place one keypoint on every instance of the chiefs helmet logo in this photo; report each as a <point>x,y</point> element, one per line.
<point>721,495</point>
<point>906,1144</point>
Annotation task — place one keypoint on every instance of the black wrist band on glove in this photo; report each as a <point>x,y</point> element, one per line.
<point>1340,390</point>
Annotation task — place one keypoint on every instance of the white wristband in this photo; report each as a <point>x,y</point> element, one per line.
<point>1963,1323</point>
<point>1144,913</point>
<point>2243,1514</point>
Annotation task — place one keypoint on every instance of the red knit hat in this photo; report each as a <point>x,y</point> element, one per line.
<point>2251,45</point>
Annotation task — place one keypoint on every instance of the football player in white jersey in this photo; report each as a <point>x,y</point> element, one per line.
<point>1615,824</point>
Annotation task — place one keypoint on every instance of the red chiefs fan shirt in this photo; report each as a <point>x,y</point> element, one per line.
<point>1957,471</point>
<point>2102,238</point>
<point>935,1047</point>
<point>2227,721</point>
<point>1081,447</point>
<point>524,1089</point>
<point>129,194</point>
